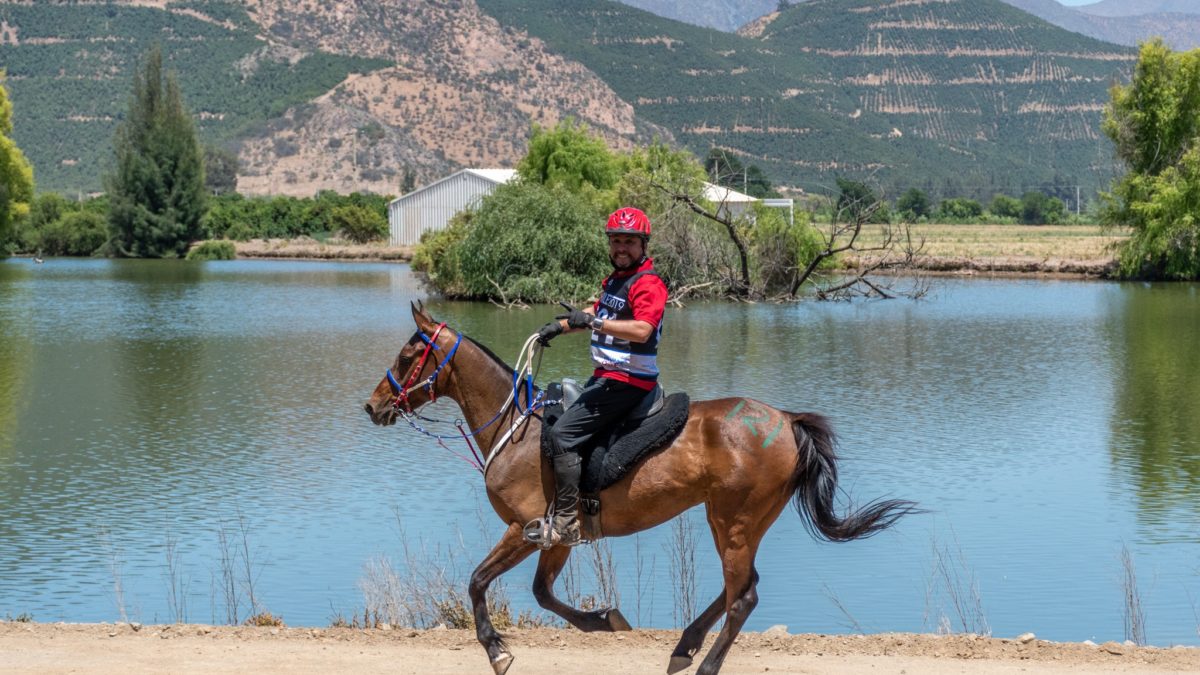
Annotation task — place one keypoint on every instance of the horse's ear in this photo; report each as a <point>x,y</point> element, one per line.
<point>421,317</point>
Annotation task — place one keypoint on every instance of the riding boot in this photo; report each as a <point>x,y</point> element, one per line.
<point>568,468</point>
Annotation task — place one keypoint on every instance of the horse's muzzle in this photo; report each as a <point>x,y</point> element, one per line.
<point>383,417</point>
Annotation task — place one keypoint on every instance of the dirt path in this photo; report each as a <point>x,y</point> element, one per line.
<point>185,649</point>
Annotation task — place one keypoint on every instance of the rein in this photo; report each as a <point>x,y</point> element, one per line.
<point>522,379</point>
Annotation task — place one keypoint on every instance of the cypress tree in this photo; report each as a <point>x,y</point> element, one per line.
<point>16,176</point>
<point>157,191</point>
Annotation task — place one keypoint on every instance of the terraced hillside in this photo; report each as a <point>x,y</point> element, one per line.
<point>70,66</point>
<point>956,96</point>
<point>340,94</point>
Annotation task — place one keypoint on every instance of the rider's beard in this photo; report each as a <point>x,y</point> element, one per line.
<point>633,264</point>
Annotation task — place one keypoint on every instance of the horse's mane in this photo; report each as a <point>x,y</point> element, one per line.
<point>484,348</point>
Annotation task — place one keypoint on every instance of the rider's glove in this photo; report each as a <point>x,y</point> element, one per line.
<point>575,318</point>
<point>549,332</point>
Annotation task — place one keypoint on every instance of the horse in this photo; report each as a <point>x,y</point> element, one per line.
<point>729,457</point>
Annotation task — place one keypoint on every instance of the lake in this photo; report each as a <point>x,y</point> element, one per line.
<point>170,431</point>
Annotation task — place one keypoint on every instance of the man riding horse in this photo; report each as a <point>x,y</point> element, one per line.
<point>626,323</point>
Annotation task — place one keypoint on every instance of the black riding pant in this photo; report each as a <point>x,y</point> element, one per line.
<point>602,404</point>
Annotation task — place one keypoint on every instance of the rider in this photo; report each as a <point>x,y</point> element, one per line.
<point>626,323</point>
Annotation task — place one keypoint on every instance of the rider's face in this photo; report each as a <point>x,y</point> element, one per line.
<point>625,250</point>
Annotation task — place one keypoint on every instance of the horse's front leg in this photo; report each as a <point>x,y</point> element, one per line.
<point>550,563</point>
<point>508,552</point>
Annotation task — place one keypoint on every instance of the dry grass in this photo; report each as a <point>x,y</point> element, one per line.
<point>1030,242</point>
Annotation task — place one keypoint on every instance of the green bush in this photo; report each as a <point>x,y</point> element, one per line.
<point>358,224</point>
<point>213,250</point>
<point>1003,206</point>
<point>79,233</point>
<point>1041,209</point>
<point>959,209</point>
<point>534,243</point>
<point>437,255</point>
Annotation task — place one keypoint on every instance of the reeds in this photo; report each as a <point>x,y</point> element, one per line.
<point>953,581</point>
<point>1134,615</point>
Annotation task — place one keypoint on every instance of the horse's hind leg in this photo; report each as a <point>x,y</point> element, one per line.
<point>550,563</point>
<point>510,550</point>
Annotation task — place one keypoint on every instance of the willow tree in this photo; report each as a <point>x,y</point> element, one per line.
<point>16,176</point>
<point>157,190</point>
<point>1155,123</point>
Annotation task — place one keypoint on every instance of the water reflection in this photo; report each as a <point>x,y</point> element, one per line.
<point>1156,422</point>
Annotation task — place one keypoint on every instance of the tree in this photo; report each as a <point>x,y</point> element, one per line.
<point>570,156</point>
<point>1040,209</point>
<point>960,209</point>
<point>157,189</point>
<point>724,168</point>
<point>220,170</point>
<point>359,224</point>
<point>1155,123</point>
<point>913,204</point>
<point>1005,206</point>
<point>16,175</point>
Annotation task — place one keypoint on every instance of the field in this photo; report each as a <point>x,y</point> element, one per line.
<point>1031,249</point>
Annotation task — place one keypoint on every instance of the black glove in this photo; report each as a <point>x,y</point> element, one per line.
<point>549,332</point>
<point>575,318</point>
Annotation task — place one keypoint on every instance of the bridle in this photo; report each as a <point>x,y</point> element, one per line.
<point>400,392</point>
<point>522,379</point>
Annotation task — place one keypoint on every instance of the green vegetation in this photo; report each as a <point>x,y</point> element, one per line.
<point>220,170</point>
<point>239,218</point>
<point>70,68</point>
<point>1155,123</point>
<point>56,225</point>
<point>540,239</point>
<point>213,250</point>
<point>358,224</point>
<point>16,176</point>
<point>157,191</point>
<point>992,101</point>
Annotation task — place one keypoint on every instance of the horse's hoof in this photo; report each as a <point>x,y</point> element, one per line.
<point>616,620</point>
<point>678,663</point>
<point>501,663</point>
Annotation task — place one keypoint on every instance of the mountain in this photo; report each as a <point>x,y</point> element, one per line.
<point>343,95</point>
<point>1178,30</point>
<point>726,15</point>
<point>1124,22</point>
<point>1138,7</point>
<point>955,95</point>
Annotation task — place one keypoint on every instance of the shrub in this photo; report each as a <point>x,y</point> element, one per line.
<point>1038,209</point>
<point>213,250</point>
<point>76,233</point>
<point>1004,206</point>
<point>358,224</point>
<point>960,209</point>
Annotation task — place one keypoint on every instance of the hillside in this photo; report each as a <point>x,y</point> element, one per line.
<point>70,67</point>
<point>342,95</point>
<point>951,96</point>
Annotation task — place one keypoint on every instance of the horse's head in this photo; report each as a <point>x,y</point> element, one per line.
<point>413,378</point>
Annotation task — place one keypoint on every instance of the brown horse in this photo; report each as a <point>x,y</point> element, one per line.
<point>730,457</point>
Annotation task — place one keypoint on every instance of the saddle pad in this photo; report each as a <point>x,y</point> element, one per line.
<point>613,457</point>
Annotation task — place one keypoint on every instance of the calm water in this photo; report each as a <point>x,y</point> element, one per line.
<point>147,408</point>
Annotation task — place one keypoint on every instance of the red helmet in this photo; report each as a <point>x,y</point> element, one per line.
<point>628,220</point>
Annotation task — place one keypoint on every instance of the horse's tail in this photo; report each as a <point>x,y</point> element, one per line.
<point>815,488</point>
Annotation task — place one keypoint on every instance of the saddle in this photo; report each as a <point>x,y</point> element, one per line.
<point>651,426</point>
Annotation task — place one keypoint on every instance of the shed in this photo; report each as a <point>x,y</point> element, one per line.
<point>430,207</point>
<point>729,202</point>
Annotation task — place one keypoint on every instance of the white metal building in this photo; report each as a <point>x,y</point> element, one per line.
<point>430,207</point>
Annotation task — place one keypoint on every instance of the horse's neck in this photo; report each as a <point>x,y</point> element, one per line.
<point>481,387</point>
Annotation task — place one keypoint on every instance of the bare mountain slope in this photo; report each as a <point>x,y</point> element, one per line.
<point>1137,7</point>
<point>463,92</point>
<point>1179,30</point>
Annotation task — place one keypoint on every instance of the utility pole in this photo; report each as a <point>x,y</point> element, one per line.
<point>1076,201</point>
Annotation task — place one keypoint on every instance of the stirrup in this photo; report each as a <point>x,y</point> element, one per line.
<point>541,532</point>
